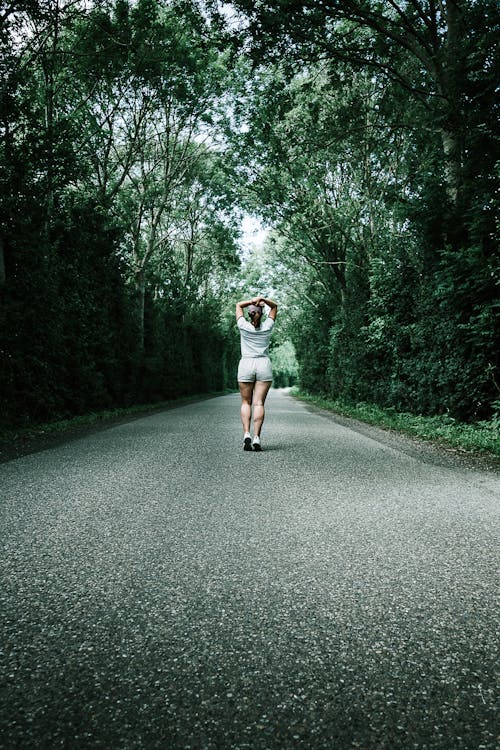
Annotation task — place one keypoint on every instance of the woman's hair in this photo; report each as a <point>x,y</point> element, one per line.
<point>254,309</point>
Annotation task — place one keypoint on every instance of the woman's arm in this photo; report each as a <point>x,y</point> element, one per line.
<point>257,301</point>
<point>241,305</point>
<point>269,302</point>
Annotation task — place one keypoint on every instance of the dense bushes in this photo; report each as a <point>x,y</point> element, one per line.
<point>426,344</point>
<point>120,173</point>
<point>114,237</point>
<point>67,330</point>
<point>373,154</point>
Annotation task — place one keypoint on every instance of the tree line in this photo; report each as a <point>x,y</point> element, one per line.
<point>371,147</point>
<point>118,234</point>
<point>133,133</point>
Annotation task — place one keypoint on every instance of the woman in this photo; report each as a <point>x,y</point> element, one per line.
<point>255,373</point>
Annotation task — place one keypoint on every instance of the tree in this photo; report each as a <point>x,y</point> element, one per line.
<point>151,111</point>
<point>107,143</point>
<point>439,52</point>
<point>349,171</point>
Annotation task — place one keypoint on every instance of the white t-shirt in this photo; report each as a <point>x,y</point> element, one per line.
<point>255,341</point>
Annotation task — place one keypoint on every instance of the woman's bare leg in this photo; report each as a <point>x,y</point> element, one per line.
<point>246,392</point>
<point>259,398</point>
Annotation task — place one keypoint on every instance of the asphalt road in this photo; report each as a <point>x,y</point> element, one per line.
<point>161,588</point>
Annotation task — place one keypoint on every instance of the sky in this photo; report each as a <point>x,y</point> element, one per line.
<point>253,234</point>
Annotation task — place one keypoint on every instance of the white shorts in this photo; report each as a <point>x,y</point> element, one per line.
<point>251,369</point>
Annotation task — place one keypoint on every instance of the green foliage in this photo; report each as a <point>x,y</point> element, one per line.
<point>115,227</point>
<point>131,138</point>
<point>482,436</point>
<point>64,320</point>
<point>285,367</point>
<point>384,194</point>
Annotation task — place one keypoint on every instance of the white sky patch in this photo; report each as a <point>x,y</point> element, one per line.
<point>253,236</point>
<point>234,20</point>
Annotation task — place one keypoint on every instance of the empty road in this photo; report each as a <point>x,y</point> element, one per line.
<point>161,588</point>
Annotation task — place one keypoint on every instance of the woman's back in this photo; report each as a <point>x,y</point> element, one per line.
<point>255,341</point>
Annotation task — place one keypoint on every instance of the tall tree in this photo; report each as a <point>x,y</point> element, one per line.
<point>447,64</point>
<point>152,112</point>
<point>108,112</point>
<point>351,172</point>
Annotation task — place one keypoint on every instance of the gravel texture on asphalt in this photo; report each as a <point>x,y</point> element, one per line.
<point>162,588</point>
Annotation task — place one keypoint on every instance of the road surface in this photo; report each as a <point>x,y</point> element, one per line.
<point>162,588</point>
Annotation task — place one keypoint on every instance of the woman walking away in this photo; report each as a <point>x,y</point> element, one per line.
<point>255,373</point>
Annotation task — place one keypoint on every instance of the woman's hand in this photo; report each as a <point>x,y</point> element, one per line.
<point>258,301</point>
<point>270,303</point>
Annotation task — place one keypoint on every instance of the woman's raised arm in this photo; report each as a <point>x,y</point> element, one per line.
<point>270,303</point>
<point>241,305</point>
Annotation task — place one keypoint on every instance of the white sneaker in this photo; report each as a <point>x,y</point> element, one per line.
<point>256,443</point>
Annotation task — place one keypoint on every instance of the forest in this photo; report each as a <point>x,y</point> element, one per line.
<point>135,136</point>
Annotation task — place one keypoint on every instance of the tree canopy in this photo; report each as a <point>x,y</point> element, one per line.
<point>135,134</point>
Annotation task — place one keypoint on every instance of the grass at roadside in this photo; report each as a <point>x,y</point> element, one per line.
<point>479,437</point>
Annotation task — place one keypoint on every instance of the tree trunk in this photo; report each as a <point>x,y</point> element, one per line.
<point>49,66</point>
<point>2,264</point>
<point>452,164</point>
<point>139,307</point>
<point>451,85</point>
